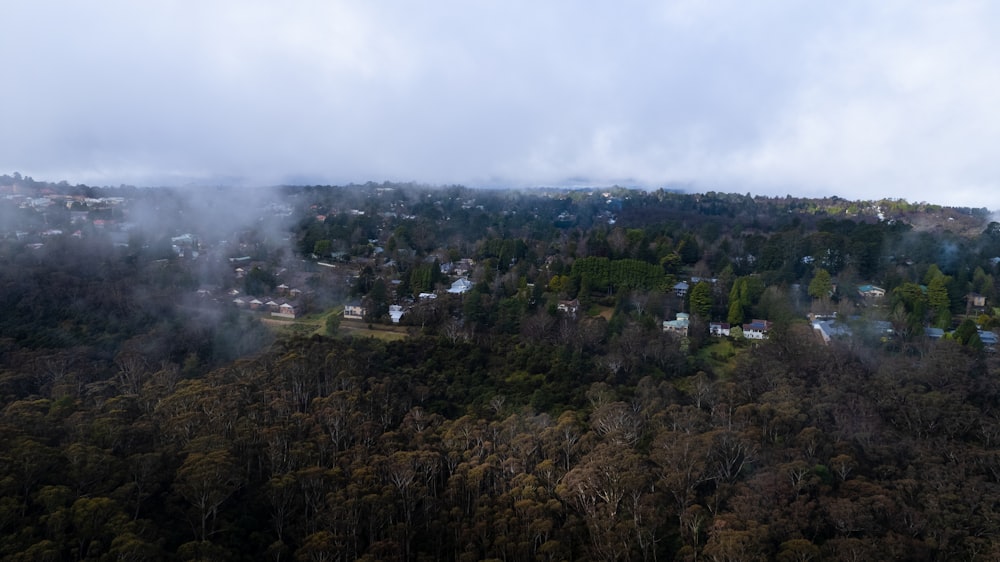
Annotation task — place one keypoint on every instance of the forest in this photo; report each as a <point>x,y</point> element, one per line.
<point>141,421</point>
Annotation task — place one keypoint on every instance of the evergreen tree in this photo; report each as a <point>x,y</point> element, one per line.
<point>938,301</point>
<point>701,299</point>
<point>821,285</point>
<point>735,315</point>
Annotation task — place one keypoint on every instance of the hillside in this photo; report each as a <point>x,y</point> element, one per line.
<point>397,372</point>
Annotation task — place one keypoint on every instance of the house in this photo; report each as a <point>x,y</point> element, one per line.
<point>883,327</point>
<point>569,308</point>
<point>354,311</point>
<point>976,302</point>
<point>395,313</point>
<point>828,327</point>
<point>463,266</point>
<point>934,333</point>
<point>757,330</point>
<point>285,311</point>
<point>678,326</point>
<point>427,296</point>
<point>719,329</point>
<point>463,285</point>
<point>272,306</point>
<point>255,304</point>
<point>681,289</point>
<point>989,339</point>
<point>184,240</point>
<point>871,291</point>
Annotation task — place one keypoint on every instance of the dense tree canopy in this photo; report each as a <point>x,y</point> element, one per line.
<point>141,421</point>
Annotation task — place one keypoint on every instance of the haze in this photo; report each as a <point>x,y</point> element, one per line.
<point>857,99</point>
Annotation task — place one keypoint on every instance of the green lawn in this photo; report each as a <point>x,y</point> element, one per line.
<point>720,355</point>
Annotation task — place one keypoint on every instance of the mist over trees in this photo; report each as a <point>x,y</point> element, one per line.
<point>544,411</point>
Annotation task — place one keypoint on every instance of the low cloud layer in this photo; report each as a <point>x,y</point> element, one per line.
<point>857,99</point>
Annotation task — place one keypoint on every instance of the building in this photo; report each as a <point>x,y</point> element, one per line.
<point>463,285</point>
<point>828,327</point>
<point>757,330</point>
<point>989,339</point>
<point>395,313</point>
<point>354,311</point>
<point>871,291</point>
<point>719,329</point>
<point>934,333</point>
<point>681,289</point>
<point>678,326</point>
<point>569,308</point>
<point>285,311</point>
<point>975,303</point>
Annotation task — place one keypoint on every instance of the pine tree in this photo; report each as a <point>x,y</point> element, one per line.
<point>701,299</point>
<point>821,285</point>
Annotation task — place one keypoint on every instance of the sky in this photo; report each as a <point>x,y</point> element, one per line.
<point>859,99</point>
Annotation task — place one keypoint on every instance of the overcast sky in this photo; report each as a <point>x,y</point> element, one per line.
<point>857,99</point>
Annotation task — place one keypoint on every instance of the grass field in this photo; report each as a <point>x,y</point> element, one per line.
<point>382,332</point>
<point>719,356</point>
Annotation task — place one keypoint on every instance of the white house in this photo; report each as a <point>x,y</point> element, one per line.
<point>828,327</point>
<point>395,313</point>
<point>354,311</point>
<point>285,311</point>
<point>719,329</point>
<point>756,330</point>
<point>569,308</point>
<point>463,285</point>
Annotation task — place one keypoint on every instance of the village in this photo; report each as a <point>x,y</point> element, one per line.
<point>374,257</point>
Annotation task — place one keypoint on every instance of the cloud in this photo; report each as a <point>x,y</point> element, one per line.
<point>852,99</point>
<point>904,114</point>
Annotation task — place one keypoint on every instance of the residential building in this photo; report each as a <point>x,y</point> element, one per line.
<point>719,329</point>
<point>871,291</point>
<point>354,311</point>
<point>569,308</point>
<point>678,326</point>
<point>934,333</point>
<point>681,289</point>
<point>395,313</point>
<point>463,285</point>
<point>757,330</point>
